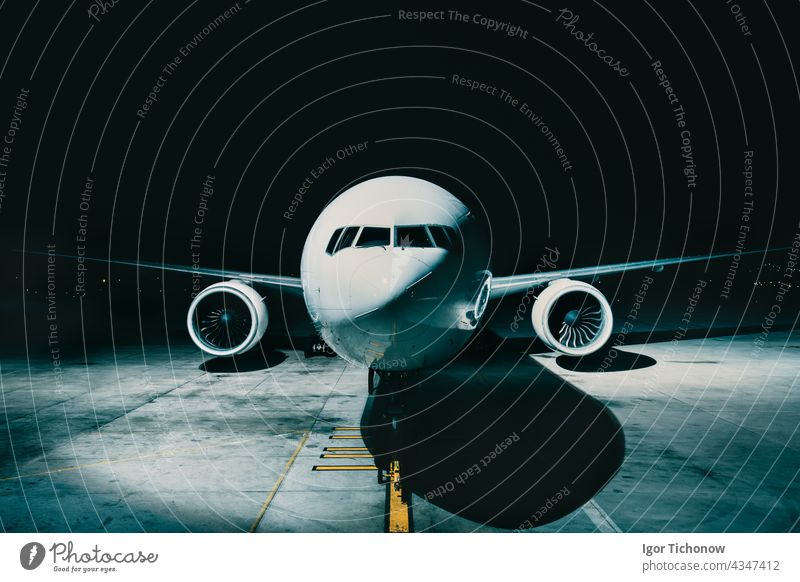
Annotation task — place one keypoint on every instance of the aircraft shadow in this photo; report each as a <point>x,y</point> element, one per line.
<point>606,360</point>
<point>500,442</point>
<point>254,360</point>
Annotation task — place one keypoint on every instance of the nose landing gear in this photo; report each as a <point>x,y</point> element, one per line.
<point>389,386</point>
<point>398,517</point>
<point>373,381</point>
<point>386,389</point>
<point>387,383</point>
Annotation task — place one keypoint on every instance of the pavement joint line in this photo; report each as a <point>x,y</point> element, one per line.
<point>259,518</point>
<point>271,496</point>
<point>258,385</point>
<point>162,454</point>
<point>600,518</point>
<point>125,411</point>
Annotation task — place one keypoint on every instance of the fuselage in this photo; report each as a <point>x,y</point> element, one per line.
<point>395,274</point>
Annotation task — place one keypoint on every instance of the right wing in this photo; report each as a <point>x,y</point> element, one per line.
<point>518,283</point>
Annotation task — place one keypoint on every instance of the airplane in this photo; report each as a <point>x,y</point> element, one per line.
<point>395,277</point>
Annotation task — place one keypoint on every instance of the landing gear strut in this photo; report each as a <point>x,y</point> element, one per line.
<point>387,383</point>
<point>390,387</point>
<point>387,391</point>
<point>373,381</point>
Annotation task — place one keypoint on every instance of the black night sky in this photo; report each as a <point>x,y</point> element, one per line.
<point>610,131</point>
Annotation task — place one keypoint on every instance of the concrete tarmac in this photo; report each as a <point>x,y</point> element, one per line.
<point>697,435</point>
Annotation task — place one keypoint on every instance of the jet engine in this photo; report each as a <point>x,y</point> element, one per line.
<point>228,318</point>
<point>572,317</point>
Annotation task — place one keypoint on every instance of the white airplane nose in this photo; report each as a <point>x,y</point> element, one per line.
<point>384,279</point>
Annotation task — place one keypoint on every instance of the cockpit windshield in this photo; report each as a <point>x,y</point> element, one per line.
<point>373,236</point>
<point>440,237</point>
<point>411,236</point>
<point>348,236</point>
<point>334,239</point>
<point>430,236</point>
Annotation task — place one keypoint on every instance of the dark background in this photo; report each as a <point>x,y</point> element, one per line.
<point>278,87</point>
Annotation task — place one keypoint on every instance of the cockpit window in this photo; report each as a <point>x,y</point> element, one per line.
<point>348,236</point>
<point>412,236</point>
<point>440,237</point>
<point>416,236</point>
<point>333,241</point>
<point>373,236</point>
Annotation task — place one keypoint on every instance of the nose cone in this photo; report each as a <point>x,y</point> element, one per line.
<point>384,279</point>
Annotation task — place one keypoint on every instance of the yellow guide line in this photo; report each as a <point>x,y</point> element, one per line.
<point>347,456</point>
<point>345,449</point>
<point>347,428</point>
<point>399,519</point>
<point>344,468</point>
<point>271,496</point>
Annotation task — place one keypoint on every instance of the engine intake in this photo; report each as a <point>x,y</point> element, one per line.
<point>228,318</point>
<point>572,317</point>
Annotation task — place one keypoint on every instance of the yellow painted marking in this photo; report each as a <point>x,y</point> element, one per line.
<point>399,521</point>
<point>358,428</point>
<point>344,468</point>
<point>345,436</point>
<point>345,449</point>
<point>347,456</point>
<point>163,454</point>
<point>271,496</point>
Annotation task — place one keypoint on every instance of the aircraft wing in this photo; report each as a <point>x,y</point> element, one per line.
<point>518,283</point>
<point>289,284</point>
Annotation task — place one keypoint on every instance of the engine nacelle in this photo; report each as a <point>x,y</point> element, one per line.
<point>572,317</point>
<point>228,318</point>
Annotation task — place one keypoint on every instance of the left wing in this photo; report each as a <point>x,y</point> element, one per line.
<point>289,284</point>
<point>518,283</point>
